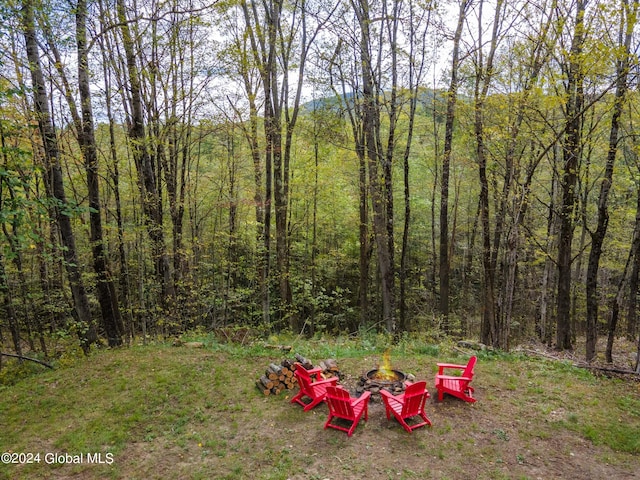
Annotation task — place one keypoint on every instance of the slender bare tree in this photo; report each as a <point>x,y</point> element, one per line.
<point>54,180</point>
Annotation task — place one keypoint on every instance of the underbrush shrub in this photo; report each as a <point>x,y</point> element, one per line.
<point>14,371</point>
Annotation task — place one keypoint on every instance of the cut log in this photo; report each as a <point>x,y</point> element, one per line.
<point>274,375</point>
<point>265,391</point>
<point>304,362</point>
<point>331,364</point>
<point>288,363</point>
<point>607,370</point>
<point>266,382</point>
<point>277,389</point>
<point>293,381</point>
<point>276,368</point>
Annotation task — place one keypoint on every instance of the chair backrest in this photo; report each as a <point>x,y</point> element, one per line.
<point>339,402</point>
<point>304,379</point>
<point>468,372</point>
<point>415,396</point>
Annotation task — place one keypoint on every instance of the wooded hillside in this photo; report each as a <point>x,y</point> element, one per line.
<point>468,168</point>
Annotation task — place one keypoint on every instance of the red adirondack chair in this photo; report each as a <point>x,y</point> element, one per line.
<point>343,406</point>
<point>458,386</point>
<point>408,405</point>
<point>315,390</point>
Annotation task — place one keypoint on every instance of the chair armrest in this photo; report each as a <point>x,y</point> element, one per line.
<point>386,393</point>
<point>332,380</point>
<point>313,371</point>
<point>388,396</point>
<point>442,366</point>
<point>453,377</point>
<point>363,397</point>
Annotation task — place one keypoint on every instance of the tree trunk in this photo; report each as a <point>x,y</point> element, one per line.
<point>634,279</point>
<point>250,131</point>
<point>363,235</point>
<point>547,284</point>
<point>571,154</point>
<point>416,69</point>
<point>54,180</point>
<point>107,294</point>
<point>597,237</point>
<point>264,43</point>
<point>446,166</point>
<point>521,202</point>
<point>114,174</point>
<point>616,304</point>
<point>5,289</point>
<point>352,108</point>
<point>145,164</point>
<point>490,333</point>
<point>375,159</point>
<point>632,301</point>
<point>10,313</point>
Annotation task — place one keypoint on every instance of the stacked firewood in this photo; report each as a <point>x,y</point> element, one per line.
<point>278,378</point>
<point>329,367</point>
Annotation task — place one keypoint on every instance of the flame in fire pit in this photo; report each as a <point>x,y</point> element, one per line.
<point>385,372</point>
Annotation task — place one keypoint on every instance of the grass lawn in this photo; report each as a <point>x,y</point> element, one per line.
<point>163,412</point>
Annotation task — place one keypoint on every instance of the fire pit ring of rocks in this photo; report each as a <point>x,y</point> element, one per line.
<point>373,382</point>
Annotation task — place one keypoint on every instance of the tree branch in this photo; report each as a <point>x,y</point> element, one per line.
<point>21,357</point>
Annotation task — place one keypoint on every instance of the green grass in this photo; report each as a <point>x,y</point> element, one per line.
<point>173,412</point>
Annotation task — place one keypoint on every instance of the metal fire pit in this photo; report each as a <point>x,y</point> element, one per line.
<point>369,382</point>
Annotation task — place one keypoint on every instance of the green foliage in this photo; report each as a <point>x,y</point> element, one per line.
<point>216,266</point>
<point>72,355</point>
<point>13,371</point>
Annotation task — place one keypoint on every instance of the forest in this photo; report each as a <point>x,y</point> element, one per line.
<point>467,168</point>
